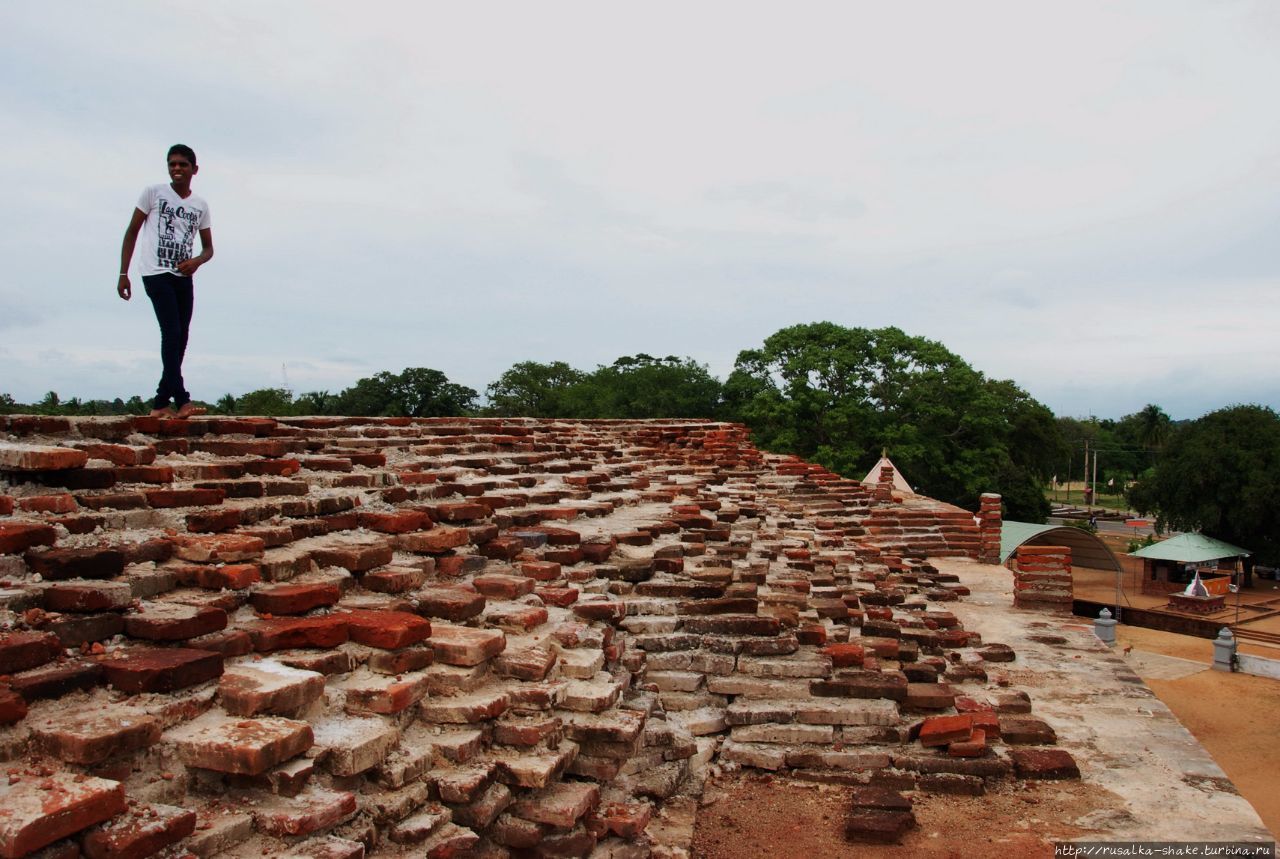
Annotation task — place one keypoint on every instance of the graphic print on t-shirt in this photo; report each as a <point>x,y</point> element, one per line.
<point>176,229</point>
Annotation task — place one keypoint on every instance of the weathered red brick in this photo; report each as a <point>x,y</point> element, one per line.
<point>607,610</point>
<point>942,730</point>
<point>91,737</point>
<point>388,630</point>
<point>289,632</point>
<point>31,457</point>
<point>143,830</point>
<point>310,811</point>
<point>399,522</point>
<point>449,602</point>
<point>542,571</point>
<point>243,746</point>
<point>459,512</point>
<point>119,454</point>
<point>501,586</point>
<point>845,655</point>
<point>626,819</point>
<point>184,497</point>
<point>213,521</point>
<point>56,679</point>
<point>226,548</point>
<point>275,467</point>
<point>401,661</point>
<point>1044,764</point>
<point>63,502</point>
<point>559,805</point>
<point>294,599</point>
<point>228,642</point>
<point>502,548</point>
<point>22,650</point>
<point>434,541</point>
<point>230,576</point>
<point>375,693</point>
<point>74,630</point>
<point>13,707</point>
<point>38,810</point>
<point>393,580</point>
<point>562,597</point>
<point>355,557</point>
<point>251,688</point>
<point>460,645</point>
<point>161,621</point>
<point>153,669</point>
<point>16,537</point>
<point>85,563</point>
<point>158,474</point>
<point>87,596</point>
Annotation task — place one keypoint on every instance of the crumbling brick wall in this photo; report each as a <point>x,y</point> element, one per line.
<point>990,521</point>
<point>1042,578</point>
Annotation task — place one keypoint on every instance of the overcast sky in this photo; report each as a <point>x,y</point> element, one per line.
<point>1082,197</point>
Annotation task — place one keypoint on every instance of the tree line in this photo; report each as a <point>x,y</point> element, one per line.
<point>840,396</point>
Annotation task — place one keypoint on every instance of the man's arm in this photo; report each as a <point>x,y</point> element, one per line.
<point>123,287</point>
<point>188,266</point>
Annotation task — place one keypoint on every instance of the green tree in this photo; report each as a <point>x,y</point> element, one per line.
<point>8,405</point>
<point>839,395</point>
<point>316,403</point>
<point>531,389</point>
<point>1154,427</point>
<point>417,392</point>
<point>267,402</point>
<point>642,386</point>
<point>1219,475</point>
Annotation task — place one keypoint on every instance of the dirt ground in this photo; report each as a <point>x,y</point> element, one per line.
<point>1240,737</point>
<point>764,816</point>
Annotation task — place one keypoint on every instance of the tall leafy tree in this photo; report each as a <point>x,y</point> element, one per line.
<point>417,392</point>
<point>1220,475</point>
<point>839,395</point>
<point>642,386</point>
<point>531,389</point>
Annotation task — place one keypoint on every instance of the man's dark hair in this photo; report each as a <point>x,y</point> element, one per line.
<point>184,150</point>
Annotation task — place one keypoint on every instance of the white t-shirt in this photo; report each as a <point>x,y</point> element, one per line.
<point>169,232</point>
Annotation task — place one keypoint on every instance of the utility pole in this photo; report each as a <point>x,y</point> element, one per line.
<point>1094,493</point>
<point>1085,485</point>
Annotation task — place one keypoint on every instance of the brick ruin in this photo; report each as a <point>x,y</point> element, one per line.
<point>1042,578</point>
<point>339,637</point>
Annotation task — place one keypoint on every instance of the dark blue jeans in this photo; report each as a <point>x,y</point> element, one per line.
<point>173,297</point>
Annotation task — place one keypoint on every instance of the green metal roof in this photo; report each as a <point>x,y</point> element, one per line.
<point>1014,534</point>
<point>1086,549</point>
<point>1190,549</point>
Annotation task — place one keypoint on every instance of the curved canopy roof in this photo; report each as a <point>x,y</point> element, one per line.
<point>1086,549</point>
<point>1190,549</point>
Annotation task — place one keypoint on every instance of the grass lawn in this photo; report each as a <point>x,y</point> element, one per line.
<point>1073,494</point>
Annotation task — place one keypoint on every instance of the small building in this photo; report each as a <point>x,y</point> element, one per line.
<point>1170,565</point>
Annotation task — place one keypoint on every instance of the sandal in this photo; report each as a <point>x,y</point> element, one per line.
<point>188,410</point>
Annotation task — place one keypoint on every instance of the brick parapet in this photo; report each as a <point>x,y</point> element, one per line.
<point>1042,577</point>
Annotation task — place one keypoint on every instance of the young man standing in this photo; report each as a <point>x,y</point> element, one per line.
<point>172,215</point>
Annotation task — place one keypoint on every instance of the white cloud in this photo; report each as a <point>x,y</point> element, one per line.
<point>466,187</point>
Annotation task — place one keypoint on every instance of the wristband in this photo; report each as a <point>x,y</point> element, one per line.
<point>124,274</point>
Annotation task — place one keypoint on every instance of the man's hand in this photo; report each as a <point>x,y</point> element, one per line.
<point>188,267</point>
<point>124,288</point>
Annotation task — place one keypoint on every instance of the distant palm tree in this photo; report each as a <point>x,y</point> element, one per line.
<point>1153,427</point>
